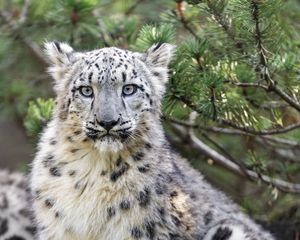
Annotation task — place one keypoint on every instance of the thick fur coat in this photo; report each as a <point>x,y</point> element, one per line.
<point>104,169</point>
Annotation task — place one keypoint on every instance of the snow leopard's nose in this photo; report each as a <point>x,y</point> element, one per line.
<point>107,125</point>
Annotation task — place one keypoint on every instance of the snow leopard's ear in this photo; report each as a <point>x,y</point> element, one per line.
<point>157,58</point>
<point>159,55</point>
<point>61,56</point>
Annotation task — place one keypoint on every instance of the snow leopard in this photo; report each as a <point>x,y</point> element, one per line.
<point>16,220</point>
<point>104,168</point>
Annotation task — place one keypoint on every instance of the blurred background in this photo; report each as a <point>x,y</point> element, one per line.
<point>232,105</point>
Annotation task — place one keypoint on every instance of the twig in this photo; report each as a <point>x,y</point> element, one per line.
<point>274,104</point>
<point>248,85</point>
<point>205,128</point>
<point>273,88</point>
<point>187,102</point>
<point>213,102</point>
<point>133,7</point>
<point>284,143</point>
<point>285,97</point>
<point>24,12</point>
<point>281,141</point>
<point>101,29</point>
<point>287,144</point>
<point>234,167</point>
<point>199,63</point>
<point>36,50</point>
<point>237,130</point>
<point>179,8</point>
<point>224,152</point>
<point>32,46</point>
<point>289,154</point>
<point>261,132</point>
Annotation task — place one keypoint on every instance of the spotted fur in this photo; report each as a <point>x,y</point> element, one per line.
<point>104,169</point>
<point>16,220</point>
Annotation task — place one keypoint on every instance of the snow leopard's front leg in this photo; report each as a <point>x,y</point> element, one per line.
<point>235,232</point>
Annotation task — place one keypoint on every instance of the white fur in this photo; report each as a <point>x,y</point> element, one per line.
<point>14,206</point>
<point>237,233</point>
<point>75,179</point>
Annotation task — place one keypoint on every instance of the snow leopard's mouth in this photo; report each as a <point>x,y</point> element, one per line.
<point>96,134</point>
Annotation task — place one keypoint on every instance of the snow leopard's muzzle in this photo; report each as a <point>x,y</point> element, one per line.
<point>108,130</point>
<point>109,120</point>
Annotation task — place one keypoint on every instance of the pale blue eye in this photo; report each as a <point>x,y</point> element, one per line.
<point>129,89</point>
<point>86,91</point>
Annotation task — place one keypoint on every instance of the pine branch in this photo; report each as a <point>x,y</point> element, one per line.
<point>288,151</point>
<point>184,22</point>
<point>263,68</point>
<point>187,102</point>
<point>294,103</point>
<point>269,139</point>
<point>16,26</point>
<point>24,12</point>
<point>212,100</point>
<point>205,128</point>
<point>219,18</point>
<point>233,166</point>
<point>249,85</point>
<point>289,154</point>
<point>225,153</point>
<point>133,7</point>
<point>237,130</point>
<point>270,88</point>
<point>101,29</point>
<point>283,142</point>
<point>199,63</point>
<point>261,132</point>
<point>212,89</point>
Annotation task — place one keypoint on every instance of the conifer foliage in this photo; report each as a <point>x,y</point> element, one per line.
<point>233,96</point>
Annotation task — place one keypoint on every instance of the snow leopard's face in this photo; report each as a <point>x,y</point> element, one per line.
<point>110,94</point>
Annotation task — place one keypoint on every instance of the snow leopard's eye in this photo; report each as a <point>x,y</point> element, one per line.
<point>129,89</point>
<point>86,91</point>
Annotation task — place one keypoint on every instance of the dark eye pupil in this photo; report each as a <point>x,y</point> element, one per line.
<point>86,91</point>
<point>129,90</point>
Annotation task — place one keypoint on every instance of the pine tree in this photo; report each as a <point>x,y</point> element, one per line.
<point>232,104</point>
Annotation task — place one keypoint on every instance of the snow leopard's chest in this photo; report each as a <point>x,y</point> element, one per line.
<point>95,202</point>
<point>96,209</point>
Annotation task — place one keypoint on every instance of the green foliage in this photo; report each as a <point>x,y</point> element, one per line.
<point>14,94</point>
<point>38,114</point>
<point>150,35</point>
<point>226,50</point>
<point>121,31</point>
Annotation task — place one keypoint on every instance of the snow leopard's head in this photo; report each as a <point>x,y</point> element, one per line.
<point>111,95</point>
